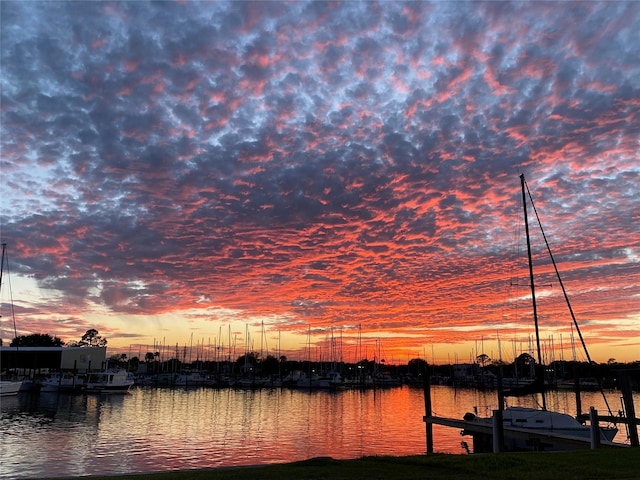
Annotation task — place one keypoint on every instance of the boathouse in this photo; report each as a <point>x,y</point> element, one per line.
<point>53,358</point>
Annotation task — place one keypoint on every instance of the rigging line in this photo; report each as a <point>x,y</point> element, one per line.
<point>5,259</point>
<point>566,297</point>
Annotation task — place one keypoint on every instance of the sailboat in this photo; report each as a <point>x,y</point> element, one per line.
<point>7,387</point>
<point>519,420</point>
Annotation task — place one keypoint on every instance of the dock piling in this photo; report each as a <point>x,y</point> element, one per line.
<point>595,428</point>
<point>498,432</point>
<point>426,384</point>
<point>627,398</point>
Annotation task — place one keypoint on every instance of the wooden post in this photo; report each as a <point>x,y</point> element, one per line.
<point>595,428</point>
<point>426,385</point>
<point>500,390</point>
<point>576,389</point>
<point>498,432</point>
<point>629,408</point>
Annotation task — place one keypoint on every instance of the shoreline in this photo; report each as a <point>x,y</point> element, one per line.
<point>621,464</point>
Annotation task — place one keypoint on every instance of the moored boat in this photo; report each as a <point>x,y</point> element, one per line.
<point>518,420</point>
<point>313,381</point>
<point>9,387</point>
<point>540,421</point>
<point>109,381</point>
<point>62,382</point>
<point>190,379</point>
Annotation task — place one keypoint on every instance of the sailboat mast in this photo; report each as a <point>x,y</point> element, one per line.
<point>566,298</point>
<point>533,287</point>
<point>5,258</point>
<point>4,252</point>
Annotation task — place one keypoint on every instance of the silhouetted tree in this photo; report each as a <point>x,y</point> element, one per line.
<point>119,361</point>
<point>36,340</point>
<point>250,359</point>
<point>269,366</point>
<point>525,359</point>
<point>417,366</point>
<point>525,363</point>
<point>134,363</point>
<point>92,339</point>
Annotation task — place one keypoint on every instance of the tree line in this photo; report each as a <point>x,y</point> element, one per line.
<point>91,338</point>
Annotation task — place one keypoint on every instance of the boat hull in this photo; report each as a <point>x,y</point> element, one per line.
<point>549,431</point>
<point>8,388</point>
<point>56,383</point>
<point>108,388</point>
<point>117,381</point>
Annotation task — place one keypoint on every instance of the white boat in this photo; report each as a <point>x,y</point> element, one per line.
<point>62,382</point>
<point>109,381</point>
<point>555,424</point>
<point>313,382</point>
<point>249,382</point>
<point>190,379</point>
<point>385,380</point>
<point>335,379</point>
<point>291,380</point>
<point>583,384</point>
<point>8,387</point>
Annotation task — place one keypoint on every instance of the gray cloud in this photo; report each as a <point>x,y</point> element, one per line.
<point>185,145</point>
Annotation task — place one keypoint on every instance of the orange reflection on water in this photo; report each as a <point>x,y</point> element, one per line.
<point>162,429</point>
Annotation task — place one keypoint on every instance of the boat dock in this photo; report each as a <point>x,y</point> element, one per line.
<point>489,437</point>
<point>483,436</point>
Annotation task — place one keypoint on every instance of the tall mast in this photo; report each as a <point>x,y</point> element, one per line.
<point>4,251</point>
<point>533,288</point>
<point>566,298</point>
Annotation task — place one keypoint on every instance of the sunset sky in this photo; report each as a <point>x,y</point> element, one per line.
<point>185,172</point>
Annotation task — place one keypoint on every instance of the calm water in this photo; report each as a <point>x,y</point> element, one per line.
<point>162,429</point>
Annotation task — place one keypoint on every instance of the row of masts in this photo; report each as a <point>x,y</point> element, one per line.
<point>550,350</point>
<point>235,345</point>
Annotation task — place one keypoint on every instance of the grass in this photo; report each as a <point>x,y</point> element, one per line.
<point>618,464</point>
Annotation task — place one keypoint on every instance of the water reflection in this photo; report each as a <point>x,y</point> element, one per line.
<point>163,429</point>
